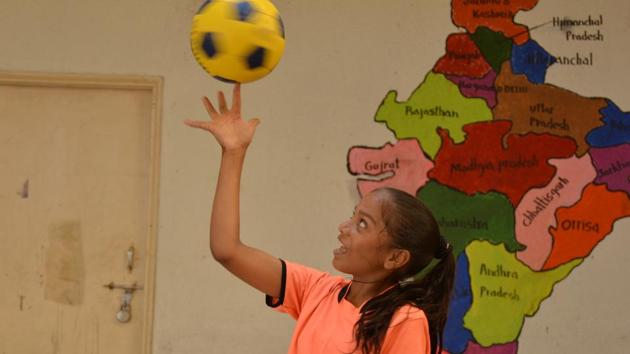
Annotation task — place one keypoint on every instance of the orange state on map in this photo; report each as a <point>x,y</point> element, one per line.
<point>535,213</point>
<point>498,15</point>
<point>462,58</point>
<point>482,163</point>
<point>581,227</point>
<point>544,108</point>
<point>402,166</point>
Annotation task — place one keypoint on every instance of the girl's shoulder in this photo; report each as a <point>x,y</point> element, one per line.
<point>408,313</point>
<point>314,280</point>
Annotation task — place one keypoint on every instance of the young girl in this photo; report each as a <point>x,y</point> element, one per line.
<point>402,269</point>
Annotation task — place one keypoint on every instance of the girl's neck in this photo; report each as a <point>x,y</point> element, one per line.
<point>360,292</point>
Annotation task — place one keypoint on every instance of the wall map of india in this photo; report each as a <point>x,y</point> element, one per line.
<point>525,178</point>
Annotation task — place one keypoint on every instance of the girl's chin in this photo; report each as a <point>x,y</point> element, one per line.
<point>338,264</point>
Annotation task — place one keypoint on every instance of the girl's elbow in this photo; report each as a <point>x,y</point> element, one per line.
<point>223,254</point>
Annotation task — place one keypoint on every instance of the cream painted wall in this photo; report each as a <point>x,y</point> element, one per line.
<point>341,59</point>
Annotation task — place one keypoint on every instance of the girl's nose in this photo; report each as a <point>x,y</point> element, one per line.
<point>344,226</point>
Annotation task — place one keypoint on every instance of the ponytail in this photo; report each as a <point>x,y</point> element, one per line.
<point>429,290</point>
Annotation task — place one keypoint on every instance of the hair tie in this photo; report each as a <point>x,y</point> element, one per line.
<point>444,250</point>
<point>421,274</point>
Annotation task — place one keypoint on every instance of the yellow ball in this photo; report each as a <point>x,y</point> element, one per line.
<point>237,40</point>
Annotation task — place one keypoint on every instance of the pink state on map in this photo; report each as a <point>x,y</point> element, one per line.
<point>477,88</point>
<point>508,348</point>
<point>403,163</point>
<point>613,167</point>
<point>535,214</point>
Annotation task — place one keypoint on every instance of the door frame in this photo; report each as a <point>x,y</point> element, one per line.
<point>155,85</point>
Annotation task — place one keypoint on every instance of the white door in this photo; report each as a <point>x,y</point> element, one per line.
<point>78,200</point>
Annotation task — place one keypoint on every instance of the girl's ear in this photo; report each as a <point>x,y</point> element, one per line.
<point>397,259</point>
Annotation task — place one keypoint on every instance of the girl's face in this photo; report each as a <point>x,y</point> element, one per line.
<point>364,241</point>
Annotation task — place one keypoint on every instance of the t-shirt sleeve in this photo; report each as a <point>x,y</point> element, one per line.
<point>297,283</point>
<point>408,333</point>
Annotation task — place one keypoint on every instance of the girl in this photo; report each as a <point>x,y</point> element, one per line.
<point>402,269</point>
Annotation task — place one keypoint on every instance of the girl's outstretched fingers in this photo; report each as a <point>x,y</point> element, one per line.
<point>212,112</point>
<point>200,124</point>
<point>222,103</point>
<point>226,124</point>
<point>236,99</point>
<point>255,122</point>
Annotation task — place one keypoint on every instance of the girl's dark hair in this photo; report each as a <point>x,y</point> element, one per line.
<point>411,226</point>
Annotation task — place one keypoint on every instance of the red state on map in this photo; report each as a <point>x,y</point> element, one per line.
<point>462,58</point>
<point>495,15</point>
<point>581,227</point>
<point>482,163</point>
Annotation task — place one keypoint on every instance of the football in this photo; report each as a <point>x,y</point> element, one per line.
<point>237,40</point>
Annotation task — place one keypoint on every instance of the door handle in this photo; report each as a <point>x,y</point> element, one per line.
<point>124,313</point>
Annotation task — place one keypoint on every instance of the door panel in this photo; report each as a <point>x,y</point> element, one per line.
<point>78,185</point>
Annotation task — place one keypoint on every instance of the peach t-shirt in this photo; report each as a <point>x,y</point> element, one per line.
<point>325,319</point>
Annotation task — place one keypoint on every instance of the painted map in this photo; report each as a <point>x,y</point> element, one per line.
<point>525,178</point>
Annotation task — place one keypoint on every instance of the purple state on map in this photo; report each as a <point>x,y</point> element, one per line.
<point>613,167</point>
<point>477,88</point>
<point>508,348</point>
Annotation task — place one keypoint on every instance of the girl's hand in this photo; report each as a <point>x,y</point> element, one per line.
<point>227,126</point>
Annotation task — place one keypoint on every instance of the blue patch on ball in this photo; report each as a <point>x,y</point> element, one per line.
<point>256,58</point>
<point>208,45</point>
<point>245,10</point>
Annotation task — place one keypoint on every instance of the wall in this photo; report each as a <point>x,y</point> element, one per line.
<point>341,59</point>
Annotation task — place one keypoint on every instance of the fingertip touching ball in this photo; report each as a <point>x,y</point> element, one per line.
<point>237,40</point>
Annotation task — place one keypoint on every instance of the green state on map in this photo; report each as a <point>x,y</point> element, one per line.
<point>463,218</point>
<point>495,46</point>
<point>504,291</point>
<point>436,103</point>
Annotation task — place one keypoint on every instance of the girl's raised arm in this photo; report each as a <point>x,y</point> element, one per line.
<point>255,267</point>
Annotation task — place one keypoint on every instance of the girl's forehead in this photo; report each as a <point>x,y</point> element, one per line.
<point>372,203</point>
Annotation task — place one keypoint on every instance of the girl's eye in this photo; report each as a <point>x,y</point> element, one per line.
<point>362,224</point>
